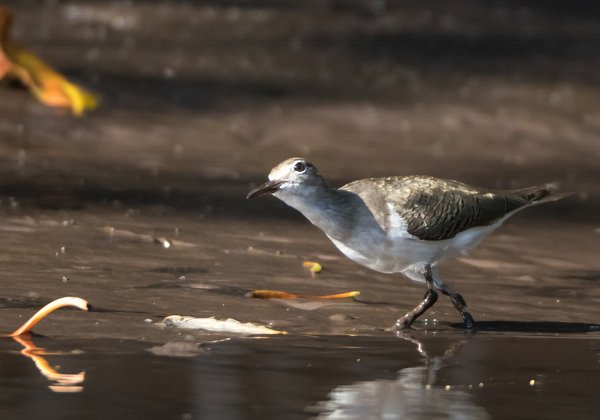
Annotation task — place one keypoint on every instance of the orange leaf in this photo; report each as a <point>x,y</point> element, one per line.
<point>276,294</point>
<point>49,86</point>
<point>271,294</point>
<point>5,23</point>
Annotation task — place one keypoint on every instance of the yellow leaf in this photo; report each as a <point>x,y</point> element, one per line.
<point>50,87</point>
<point>340,295</point>
<point>313,266</point>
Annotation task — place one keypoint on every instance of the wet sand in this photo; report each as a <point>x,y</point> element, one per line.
<point>200,100</point>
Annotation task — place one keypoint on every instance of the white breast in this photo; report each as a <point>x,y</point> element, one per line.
<point>403,253</point>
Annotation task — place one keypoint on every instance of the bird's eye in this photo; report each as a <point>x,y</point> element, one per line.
<point>299,167</point>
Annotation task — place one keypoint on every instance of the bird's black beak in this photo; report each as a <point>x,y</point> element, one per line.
<point>268,187</point>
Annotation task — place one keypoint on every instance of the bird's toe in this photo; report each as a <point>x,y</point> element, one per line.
<point>469,321</point>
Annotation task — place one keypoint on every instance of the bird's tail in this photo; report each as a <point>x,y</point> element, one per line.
<point>542,194</point>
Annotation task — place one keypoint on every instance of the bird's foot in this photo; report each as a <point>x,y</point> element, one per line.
<point>469,321</point>
<point>404,323</point>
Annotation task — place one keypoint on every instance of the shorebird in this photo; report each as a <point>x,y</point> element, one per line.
<point>401,224</point>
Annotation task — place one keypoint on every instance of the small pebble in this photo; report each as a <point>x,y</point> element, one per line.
<point>164,242</point>
<point>447,387</point>
<point>148,320</point>
<point>169,73</point>
<point>532,382</point>
<point>480,384</point>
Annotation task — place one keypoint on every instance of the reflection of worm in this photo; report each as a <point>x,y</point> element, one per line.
<point>48,309</point>
<point>64,382</point>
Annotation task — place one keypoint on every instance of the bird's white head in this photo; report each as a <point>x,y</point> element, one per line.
<point>292,177</point>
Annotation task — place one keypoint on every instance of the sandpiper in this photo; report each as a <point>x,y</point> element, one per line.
<point>405,224</point>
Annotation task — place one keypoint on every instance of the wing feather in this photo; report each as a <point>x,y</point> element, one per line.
<point>435,209</point>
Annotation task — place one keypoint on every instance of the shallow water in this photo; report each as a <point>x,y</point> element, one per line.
<point>193,118</point>
<point>433,374</point>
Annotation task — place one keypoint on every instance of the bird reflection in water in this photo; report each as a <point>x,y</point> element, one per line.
<point>412,395</point>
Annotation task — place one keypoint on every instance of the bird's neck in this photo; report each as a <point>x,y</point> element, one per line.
<point>333,211</point>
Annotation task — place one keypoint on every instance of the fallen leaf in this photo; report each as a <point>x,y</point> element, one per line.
<point>313,266</point>
<point>49,86</point>
<point>271,294</point>
<point>276,294</point>
<point>218,325</point>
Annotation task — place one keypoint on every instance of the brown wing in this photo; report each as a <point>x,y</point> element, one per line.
<point>436,209</point>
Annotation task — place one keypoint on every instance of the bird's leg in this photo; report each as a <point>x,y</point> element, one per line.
<point>459,303</point>
<point>429,299</point>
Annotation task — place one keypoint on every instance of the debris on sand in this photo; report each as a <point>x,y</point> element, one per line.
<point>218,325</point>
